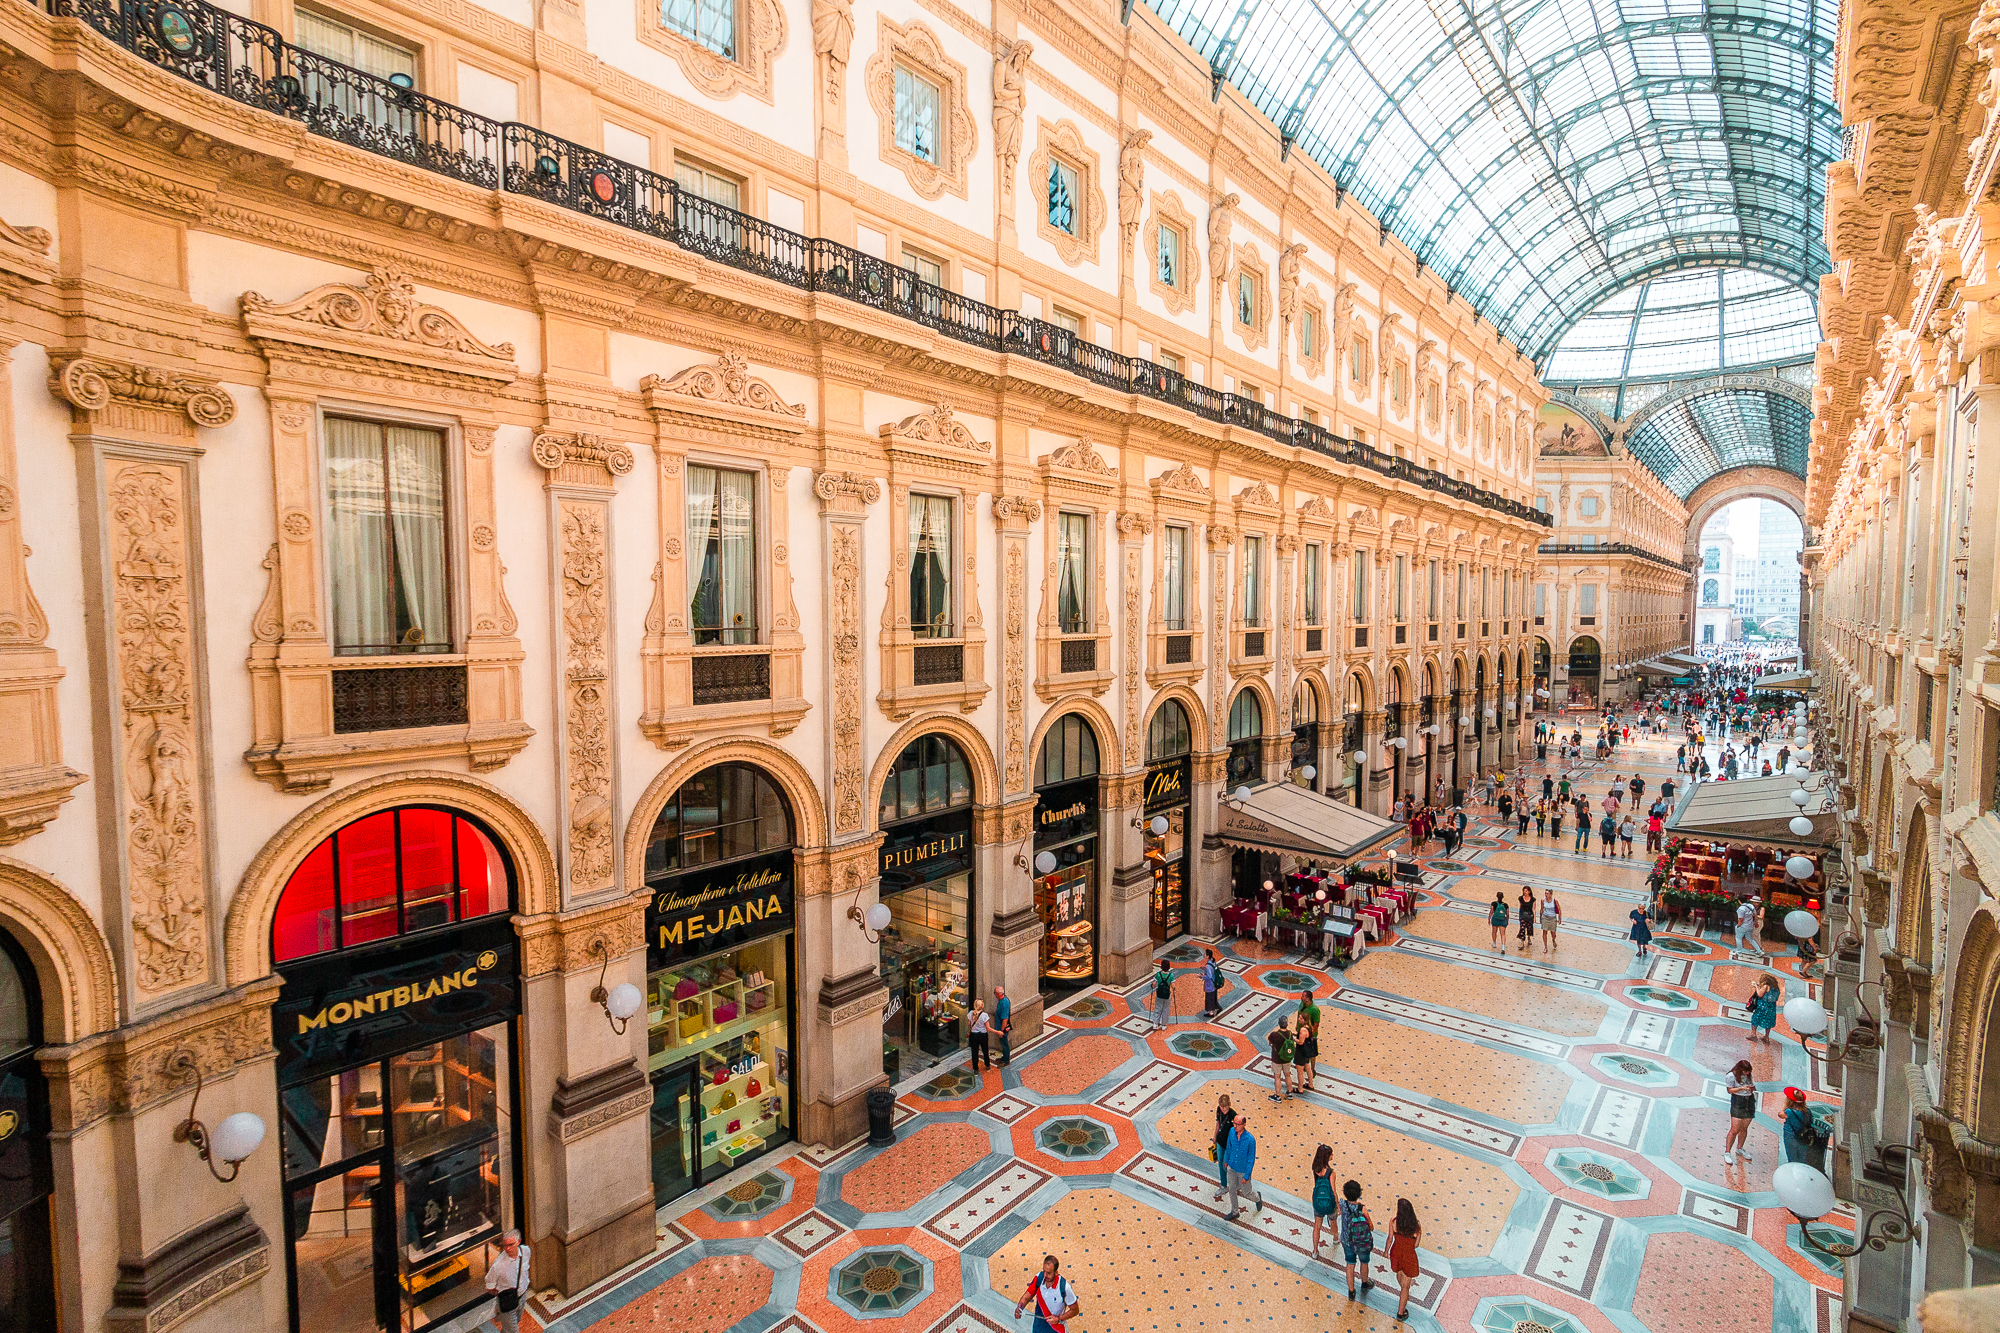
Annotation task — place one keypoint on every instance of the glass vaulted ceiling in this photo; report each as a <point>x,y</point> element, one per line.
<point>1688,324</point>
<point>1690,440</point>
<point>1544,154</point>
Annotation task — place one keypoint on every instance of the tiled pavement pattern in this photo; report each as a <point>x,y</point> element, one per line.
<point>1556,1118</point>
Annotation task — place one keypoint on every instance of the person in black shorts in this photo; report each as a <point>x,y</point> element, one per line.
<point>1742,1110</point>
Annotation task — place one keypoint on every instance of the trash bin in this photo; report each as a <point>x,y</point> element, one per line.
<point>881,1117</point>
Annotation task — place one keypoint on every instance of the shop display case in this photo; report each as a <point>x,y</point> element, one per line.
<point>742,1105</point>
<point>701,1004</point>
<point>1062,899</point>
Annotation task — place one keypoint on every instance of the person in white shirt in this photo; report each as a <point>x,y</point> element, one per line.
<point>1747,935</point>
<point>508,1277</point>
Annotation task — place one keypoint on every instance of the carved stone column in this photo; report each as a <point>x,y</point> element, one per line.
<point>1376,794</point>
<point>1014,951</point>
<point>34,781</point>
<point>837,959</point>
<point>137,457</point>
<point>1209,888</point>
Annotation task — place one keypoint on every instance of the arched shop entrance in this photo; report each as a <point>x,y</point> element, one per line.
<point>1352,737</point>
<point>1430,731</point>
<point>1246,768</point>
<point>27,1271</point>
<point>1586,663</point>
<point>1541,697</point>
<point>1475,707</point>
<point>1169,788</point>
<point>1305,736</point>
<point>397,1045</point>
<point>1066,819</point>
<point>1394,743</point>
<point>720,959</point>
<point>927,882</point>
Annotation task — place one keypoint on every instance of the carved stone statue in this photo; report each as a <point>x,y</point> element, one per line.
<point>1010,98</point>
<point>1221,218</point>
<point>1290,259</point>
<point>833,36</point>
<point>1132,184</point>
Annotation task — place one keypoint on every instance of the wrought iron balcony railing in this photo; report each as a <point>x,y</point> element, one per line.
<point>250,63</point>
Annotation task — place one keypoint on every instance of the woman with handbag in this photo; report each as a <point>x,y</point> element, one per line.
<point>1804,1140</point>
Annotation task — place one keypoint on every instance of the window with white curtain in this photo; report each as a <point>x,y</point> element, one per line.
<point>1360,586</point>
<point>1312,582</point>
<point>709,23</point>
<point>1253,581</point>
<point>386,538</point>
<point>1072,573</point>
<point>1587,605</point>
<point>342,42</point>
<point>1433,613</point>
<point>722,554</point>
<point>930,567</point>
<point>918,114</point>
<point>1541,599</point>
<point>1173,575</point>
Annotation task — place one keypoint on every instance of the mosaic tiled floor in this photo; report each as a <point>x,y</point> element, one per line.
<point>1556,1118</point>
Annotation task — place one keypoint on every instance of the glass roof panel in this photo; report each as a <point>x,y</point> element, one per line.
<point>1684,323</point>
<point>1501,140</point>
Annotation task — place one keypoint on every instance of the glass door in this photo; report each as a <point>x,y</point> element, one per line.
<point>677,1130</point>
<point>343,1252</point>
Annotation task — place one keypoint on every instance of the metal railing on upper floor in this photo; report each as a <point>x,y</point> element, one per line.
<point>251,63</point>
<point>1613,548</point>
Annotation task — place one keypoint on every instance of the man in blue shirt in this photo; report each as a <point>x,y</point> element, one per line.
<point>1003,1023</point>
<point>1240,1156</point>
<point>1210,1007</point>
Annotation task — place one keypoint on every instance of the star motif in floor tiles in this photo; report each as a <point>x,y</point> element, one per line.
<point>951,1085</point>
<point>753,1197</point>
<point>1663,999</point>
<point>1677,946</point>
<point>1075,1139</point>
<point>1187,953</point>
<point>1285,979</point>
<point>1449,867</point>
<point>881,1282</point>
<point>1629,1068</point>
<point>1088,1007</point>
<point>1602,1175</point>
<point>1518,1315</point>
<point>1202,1046</point>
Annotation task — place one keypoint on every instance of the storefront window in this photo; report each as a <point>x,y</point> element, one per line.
<point>1246,743</point>
<point>719,1003</point>
<point>27,1264</point>
<point>396,1070</point>
<point>1066,818</point>
<point>1169,785</point>
<point>926,882</point>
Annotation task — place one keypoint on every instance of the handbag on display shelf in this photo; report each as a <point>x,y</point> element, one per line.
<point>755,1089</point>
<point>424,1086</point>
<point>721,1076</point>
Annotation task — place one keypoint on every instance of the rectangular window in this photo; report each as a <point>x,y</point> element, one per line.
<point>1459,604</point>
<point>1541,504</point>
<point>1399,382</point>
<point>1063,184</point>
<point>1360,586</point>
<point>707,183</point>
<point>927,269</point>
<point>1249,391</point>
<point>1246,300</point>
<point>1066,320</point>
<point>722,554</point>
<point>930,567</point>
<point>1308,334</point>
<point>709,23</point>
<point>1402,590</point>
<point>1587,600</point>
<point>1170,257</point>
<point>1354,362</point>
<point>1173,575</point>
<point>1541,599</point>
<point>917,114</point>
<point>1253,581</point>
<point>1170,361</point>
<point>1485,584</point>
<point>386,538</point>
<point>1587,506</point>
<point>1506,594</point>
<point>1433,607</point>
<point>1072,573</point>
<point>342,42</point>
<point>1926,699</point>
<point>1312,583</point>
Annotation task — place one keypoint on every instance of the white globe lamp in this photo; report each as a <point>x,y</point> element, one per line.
<point>1801,826</point>
<point>1159,826</point>
<point>1803,1192</point>
<point>1045,863</point>
<point>878,916</point>
<point>1801,925</point>
<point>1804,1016</point>
<point>1798,867</point>
<point>626,999</point>
<point>237,1136</point>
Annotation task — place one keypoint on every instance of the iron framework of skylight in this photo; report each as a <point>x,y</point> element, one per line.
<point>1687,324</point>
<point>1543,154</point>
<point>1696,437</point>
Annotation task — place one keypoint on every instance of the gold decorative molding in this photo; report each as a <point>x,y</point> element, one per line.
<point>916,46</point>
<point>1132,191</point>
<point>118,394</point>
<point>760,32</point>
<point>1183,479</point>
<point>25,252</point>
<point>1063,142</point>
<point>724,396</point>
<point>380,319</point>
<point>580,459</point>
<point>935,427</point>
<point>589,740</point>
<point>1081,456</point>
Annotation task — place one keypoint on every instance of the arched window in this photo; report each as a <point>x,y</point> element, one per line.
<point>1069,751</point>
<point>19,1011</point>
<point>1168,736</point>
<point>1710,589</point>
<point>1305,705</point>
<point>719,814</point>
<point>389,874</point>
<point>1246,717</point>
<point>930,775</point>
